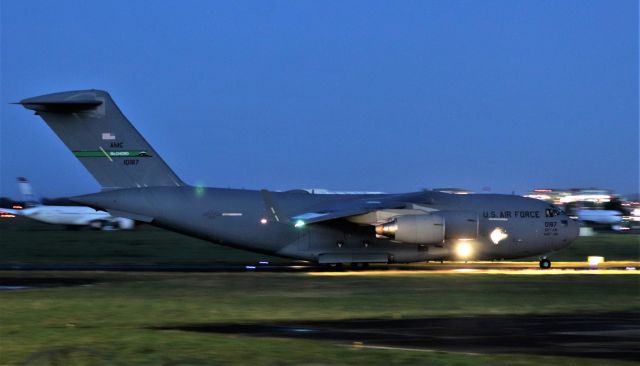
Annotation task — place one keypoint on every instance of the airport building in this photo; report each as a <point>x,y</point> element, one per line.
<point>562,197</point>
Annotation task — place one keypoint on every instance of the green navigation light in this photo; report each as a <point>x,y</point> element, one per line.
<point>199,191</point>
<point>299,223</point>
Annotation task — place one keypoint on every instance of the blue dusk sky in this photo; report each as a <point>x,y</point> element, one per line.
<point>492,96</point>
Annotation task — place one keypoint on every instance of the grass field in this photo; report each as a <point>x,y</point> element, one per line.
<point>27,241</point>
<point>111,319</point>
<point>113,316</point>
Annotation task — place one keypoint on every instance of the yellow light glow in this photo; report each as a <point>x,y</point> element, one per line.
<point>501,272</point>
<point>464,249</point>
<point>594,260</point>
<point>497,235</point>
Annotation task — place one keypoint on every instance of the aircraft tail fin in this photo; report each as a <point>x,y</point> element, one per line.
<point>101,137</point>
<point>27,192</point>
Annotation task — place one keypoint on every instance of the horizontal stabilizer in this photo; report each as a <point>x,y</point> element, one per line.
<point>70,106</point>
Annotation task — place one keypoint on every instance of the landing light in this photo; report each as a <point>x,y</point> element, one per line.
<point>595,260</point>
<point>497,235</point>
<point>263,221</point>
<point>299,223</point>
<point>464,249</point>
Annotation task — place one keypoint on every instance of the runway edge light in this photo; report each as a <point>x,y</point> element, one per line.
<point>595,260</point>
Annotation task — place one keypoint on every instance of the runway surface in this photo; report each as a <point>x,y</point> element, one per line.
<point>609,335</point>
<point>523,268</point>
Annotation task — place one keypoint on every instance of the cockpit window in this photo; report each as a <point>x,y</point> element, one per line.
<point>553,212</point>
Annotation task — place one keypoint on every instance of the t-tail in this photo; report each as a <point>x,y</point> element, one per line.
<point>29,198</point>
<point>101,137</point>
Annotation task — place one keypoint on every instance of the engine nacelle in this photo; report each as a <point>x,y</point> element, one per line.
<point>431,229</point>
<point>414,229</point>
<point>125,224</point>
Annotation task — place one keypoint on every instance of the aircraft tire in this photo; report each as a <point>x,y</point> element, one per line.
<point>109,227</point>
<point>96,225</point>
<point>358,266</point>
<point>545,263</point>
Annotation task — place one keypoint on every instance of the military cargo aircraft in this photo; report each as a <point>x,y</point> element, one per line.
<point>323,228</point>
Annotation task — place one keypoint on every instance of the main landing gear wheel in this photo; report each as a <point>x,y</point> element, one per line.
<point>356,266</point>
<point>545,263</point>
<point>96,225</point>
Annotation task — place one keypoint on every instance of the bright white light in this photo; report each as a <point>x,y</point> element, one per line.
<point>598,198</point>
<point>263,221</point>
<point>299,223</point>
<point>497,235</point>
<point>594,261</point>
<point>464,249</point>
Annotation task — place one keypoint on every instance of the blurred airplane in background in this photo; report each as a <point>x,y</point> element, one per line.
<point>596,217</point>
<point>595,208</point>
<point>74,216</point>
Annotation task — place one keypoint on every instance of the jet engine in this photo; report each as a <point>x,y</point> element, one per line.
<point>431,229</point>
<point>418,229</point>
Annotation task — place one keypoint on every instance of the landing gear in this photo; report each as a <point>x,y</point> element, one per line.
<point>354,266</point>
<point>108,227</point>
<point>359,266</point>
<point>96,225</point>
<point>545,263</point>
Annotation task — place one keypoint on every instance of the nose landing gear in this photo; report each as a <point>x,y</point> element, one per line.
<point>545,263</point>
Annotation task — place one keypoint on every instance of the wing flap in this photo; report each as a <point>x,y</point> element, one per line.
<point>354,207</point>
<point>314,217</point>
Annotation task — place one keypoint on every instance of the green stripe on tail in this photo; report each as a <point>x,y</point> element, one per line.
<point>112,154</point>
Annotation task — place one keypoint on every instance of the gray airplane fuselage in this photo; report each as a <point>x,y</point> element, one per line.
<point>245,219</point>
<point>382,228</point>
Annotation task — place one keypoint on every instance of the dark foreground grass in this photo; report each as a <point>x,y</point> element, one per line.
<point>26,241</point>
<point>113,317</point>
<point>612,246</point>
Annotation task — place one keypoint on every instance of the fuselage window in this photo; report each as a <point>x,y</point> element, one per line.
<point>552,212</point>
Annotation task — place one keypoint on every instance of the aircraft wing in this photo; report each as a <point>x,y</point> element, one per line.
<point>357,206</point>
<point>10,211</point>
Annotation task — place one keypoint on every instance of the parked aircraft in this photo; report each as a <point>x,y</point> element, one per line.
<point>599,218</point>
<point>65,215</point>
<point>322,228</point>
